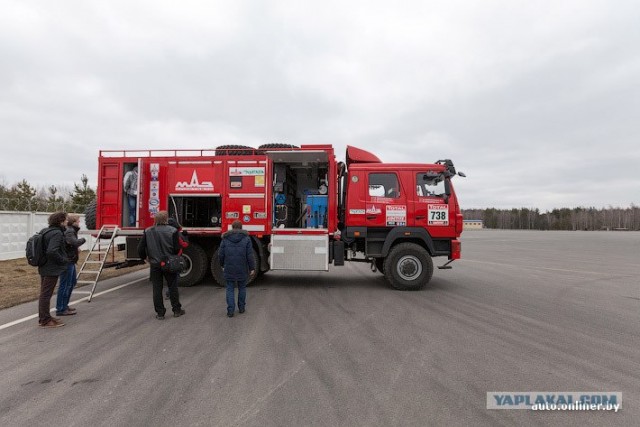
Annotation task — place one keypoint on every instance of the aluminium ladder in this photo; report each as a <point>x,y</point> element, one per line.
<point>96,258</point>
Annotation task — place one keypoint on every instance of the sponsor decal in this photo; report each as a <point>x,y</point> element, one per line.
<point>246,218</point>
<point>246,171</point>
<point>194,184</point>
<point>259,181</point>
<point>260,215</point>
<point>246,209</point>
<point>154,189</point>
<point>236,182</point>
<point>154,171</point>
<point>232,215</point>
<point>437,214</point>
<point>373,210</point>
<point>356,211</point>
<point>396,215</point>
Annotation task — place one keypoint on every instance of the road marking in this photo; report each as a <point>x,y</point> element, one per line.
<point>33,316</point>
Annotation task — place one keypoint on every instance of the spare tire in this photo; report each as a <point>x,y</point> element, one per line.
<point>277,145</point>
<point>90,215</point>
<point>234,150</point>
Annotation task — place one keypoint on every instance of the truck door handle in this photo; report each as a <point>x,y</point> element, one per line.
<point>372,216</point>
<point>421,216</point>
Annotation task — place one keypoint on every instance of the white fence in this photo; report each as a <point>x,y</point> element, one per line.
<point>17,227</point>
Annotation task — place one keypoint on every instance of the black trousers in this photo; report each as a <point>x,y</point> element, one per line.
<point>157,277</point>
<point>47,285</point>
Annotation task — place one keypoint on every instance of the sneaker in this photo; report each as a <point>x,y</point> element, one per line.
<point>179,313</point>
<point>229,314</point>
<point>241,310</point>
<point>67,312</point>
<point>52,323</point>
<point>160,317</point>
<point>71,309</point>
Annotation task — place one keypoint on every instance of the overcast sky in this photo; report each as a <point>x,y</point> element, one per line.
<point>538,102</point>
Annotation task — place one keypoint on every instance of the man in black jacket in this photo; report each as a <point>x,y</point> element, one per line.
<point>56,264</point>
<point>236,258</point>
<point>158,242</point>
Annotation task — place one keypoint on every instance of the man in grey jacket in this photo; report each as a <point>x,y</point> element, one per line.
<point>55,265</point>
<point>158,242</point>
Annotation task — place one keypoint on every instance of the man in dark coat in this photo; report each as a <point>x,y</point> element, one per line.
<point>236,258</point>
<point>55,265</point>
<point>158,242</point>
<point>68,279</point>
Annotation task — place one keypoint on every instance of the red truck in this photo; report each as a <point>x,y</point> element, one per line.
<point>303,209</point>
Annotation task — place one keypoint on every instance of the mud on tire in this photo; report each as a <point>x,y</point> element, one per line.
<point>408,267</point>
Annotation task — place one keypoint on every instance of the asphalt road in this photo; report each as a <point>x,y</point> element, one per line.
<point>523,311</point>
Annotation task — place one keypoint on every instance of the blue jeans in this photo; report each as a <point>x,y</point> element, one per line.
<point>242,295</point>
<point>68,281</point>
<point>131,201</point>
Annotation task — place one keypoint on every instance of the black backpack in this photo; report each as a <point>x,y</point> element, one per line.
<point>36,251</point>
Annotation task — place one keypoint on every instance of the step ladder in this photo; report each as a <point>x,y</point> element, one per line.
<point>96,258</point>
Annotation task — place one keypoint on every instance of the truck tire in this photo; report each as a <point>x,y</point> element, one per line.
<point>90,215</point>
<point>267,146</point>
<point>194,272</point>
<point>408,267</point>
<point>234,150</point>
<point>218,275</point>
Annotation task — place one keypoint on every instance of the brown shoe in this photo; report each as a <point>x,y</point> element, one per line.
<point>67,312</point>
<point>71,309</point>
<point>52,323</point>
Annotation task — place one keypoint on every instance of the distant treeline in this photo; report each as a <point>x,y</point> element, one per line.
<point>558,219</point>
<point>24,197</point>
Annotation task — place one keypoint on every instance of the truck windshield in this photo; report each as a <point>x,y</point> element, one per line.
<point>430,184</point>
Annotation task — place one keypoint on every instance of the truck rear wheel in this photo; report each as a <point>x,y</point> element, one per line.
<point>218,275</point>
<point>408,267</point>
<point>196,268</point>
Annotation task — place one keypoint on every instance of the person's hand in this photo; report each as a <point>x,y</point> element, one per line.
<point>252,272</point>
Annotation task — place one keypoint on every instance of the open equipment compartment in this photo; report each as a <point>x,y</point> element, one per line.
<point>300,189</point>
<point>196,211</point>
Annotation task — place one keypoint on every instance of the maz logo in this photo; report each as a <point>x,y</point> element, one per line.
<point>194,184</point>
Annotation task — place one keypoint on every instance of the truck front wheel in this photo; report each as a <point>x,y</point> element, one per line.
<point>408,267</point>
<point>196,260</point>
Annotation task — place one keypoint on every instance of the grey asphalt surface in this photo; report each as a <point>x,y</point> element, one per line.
<point>523,311</point>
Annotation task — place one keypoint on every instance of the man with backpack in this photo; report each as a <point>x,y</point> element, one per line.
<point>54,264</point>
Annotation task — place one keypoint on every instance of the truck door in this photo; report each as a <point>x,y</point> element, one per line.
<point>386,202</point>
<point>430,207</point>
